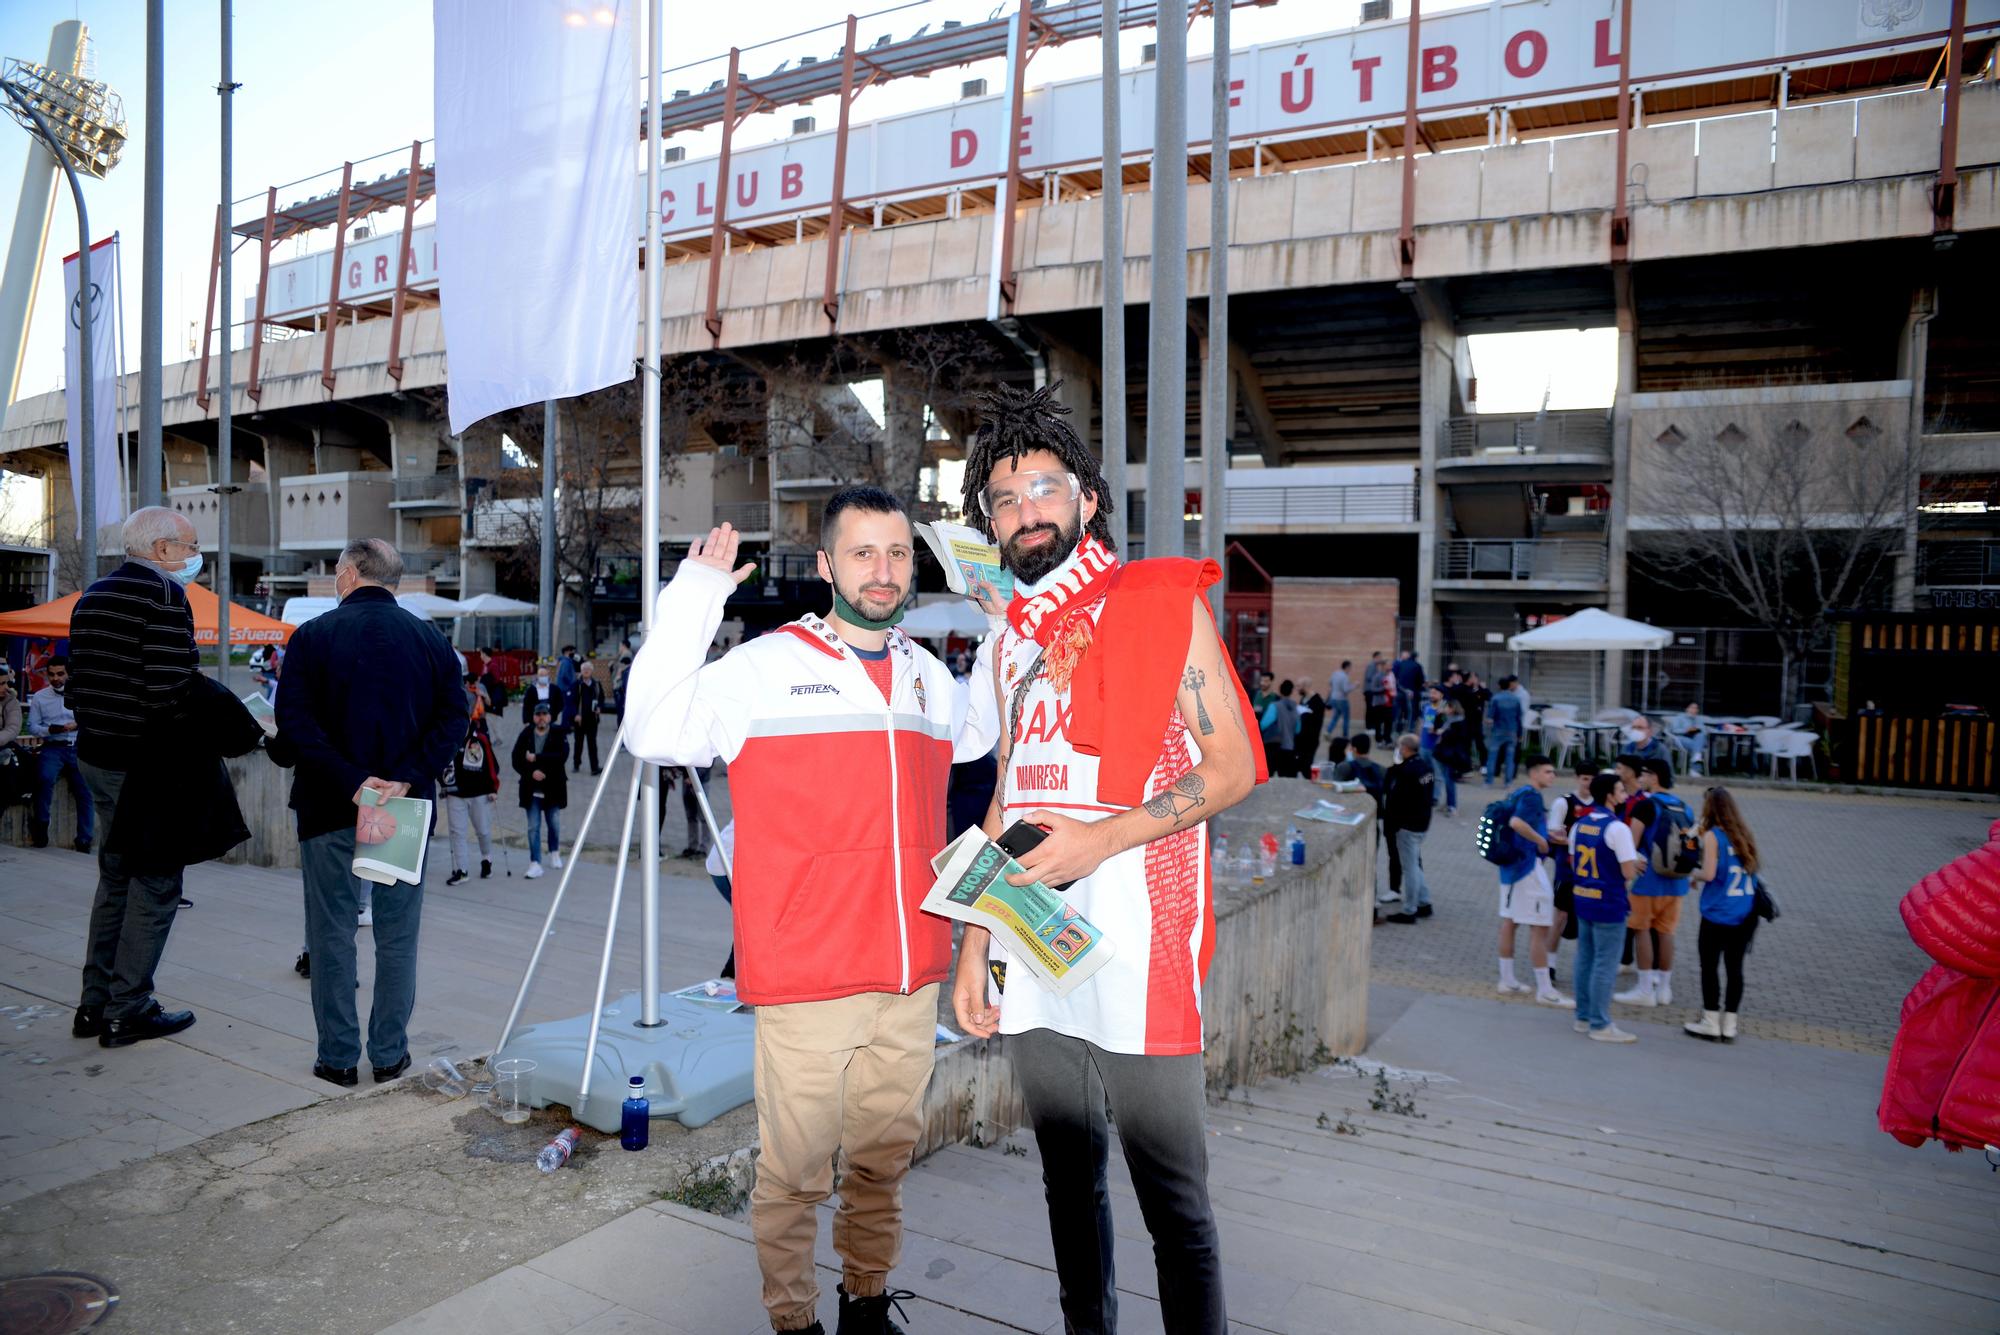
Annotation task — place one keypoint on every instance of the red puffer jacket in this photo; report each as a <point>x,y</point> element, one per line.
<point>1944,1072</point>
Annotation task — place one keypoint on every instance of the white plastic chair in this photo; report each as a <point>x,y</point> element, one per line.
<point>1615,716</point>
<point>1780,744</point>
<point>1761,721</point>
<point>1558,741</point>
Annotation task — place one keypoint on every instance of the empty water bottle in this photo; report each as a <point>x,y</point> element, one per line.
<point>635,1124</point>
<point>556,1153</point>
<point>1295,844</point>
<point>1267,855</point>
<point>1219,856</point>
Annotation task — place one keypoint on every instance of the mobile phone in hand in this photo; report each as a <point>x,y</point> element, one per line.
<point>1019,837</point>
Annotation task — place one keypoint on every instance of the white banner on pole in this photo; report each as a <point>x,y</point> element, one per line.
<point>103,435</point>
<point>538,225</point>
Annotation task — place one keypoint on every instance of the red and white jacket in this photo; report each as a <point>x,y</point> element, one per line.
<point>839,797</point>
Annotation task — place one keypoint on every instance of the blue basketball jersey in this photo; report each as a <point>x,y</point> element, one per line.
<point>1728,898</point>
<point>1600,880</point>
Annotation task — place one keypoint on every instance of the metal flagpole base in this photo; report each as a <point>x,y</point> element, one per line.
<point>697,1062</point>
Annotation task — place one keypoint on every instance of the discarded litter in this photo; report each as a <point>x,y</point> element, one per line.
<point>557,1152</point>
<point>442,1077</point>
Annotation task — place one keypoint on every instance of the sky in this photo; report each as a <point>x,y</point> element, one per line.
<point>323,81</point>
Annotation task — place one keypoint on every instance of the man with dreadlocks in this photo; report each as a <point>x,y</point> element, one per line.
<point>1124,730</point>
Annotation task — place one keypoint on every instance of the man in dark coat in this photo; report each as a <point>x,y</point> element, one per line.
<point>538,759</point>
<point>586,710</point>
<point>372,699</point>
<point>150,736</point>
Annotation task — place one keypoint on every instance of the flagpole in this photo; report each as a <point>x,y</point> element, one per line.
<point>124,423</point>
<point>225,457</point>
<point>649,549</point>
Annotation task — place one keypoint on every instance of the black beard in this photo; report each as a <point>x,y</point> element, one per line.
<point>1037,563</point>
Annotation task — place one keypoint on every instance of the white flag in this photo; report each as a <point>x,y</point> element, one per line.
<point>103,436</point>
<point>537,139</point>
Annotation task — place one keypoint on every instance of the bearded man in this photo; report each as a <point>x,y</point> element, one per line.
<point>839,733</point>
<point>1126,729</point>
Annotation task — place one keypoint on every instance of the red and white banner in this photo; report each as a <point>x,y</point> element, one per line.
<point>1505,53</point>
<point>100,443</point>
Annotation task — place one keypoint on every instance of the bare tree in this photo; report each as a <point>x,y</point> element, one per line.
<point>1788,524</point>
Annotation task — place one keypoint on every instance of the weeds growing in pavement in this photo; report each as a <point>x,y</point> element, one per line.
<point>710,1188</point>
<point>1387,1100</point>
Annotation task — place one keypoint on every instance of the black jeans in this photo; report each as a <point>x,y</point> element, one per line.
<point>1721,944</point>
<point>1159,1105</point>
<point>129,921</point>
<point>586,735</point>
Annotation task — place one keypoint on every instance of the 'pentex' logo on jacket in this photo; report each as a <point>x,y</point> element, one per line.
<point>816,688</point>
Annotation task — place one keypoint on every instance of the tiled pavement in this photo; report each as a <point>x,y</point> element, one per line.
<point>1539,1183</point>
<point>1831,971</point>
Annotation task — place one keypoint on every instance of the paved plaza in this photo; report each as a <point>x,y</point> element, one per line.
<point>1832,971</point>
<point>1531,1181</point>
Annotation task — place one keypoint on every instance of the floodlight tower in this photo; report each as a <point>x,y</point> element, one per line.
<point>88,119</point>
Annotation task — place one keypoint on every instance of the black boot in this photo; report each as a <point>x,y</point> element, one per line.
<point>303,965</point>
<point>485,868</point>
<point>89,1022</point>
<point>38,834</point>
<point>870,1316</point>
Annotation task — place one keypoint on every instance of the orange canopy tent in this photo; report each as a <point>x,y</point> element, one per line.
<point>50,621</point>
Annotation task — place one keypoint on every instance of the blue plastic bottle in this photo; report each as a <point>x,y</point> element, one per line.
<point>1296,845</point>
<point>636,1125</point>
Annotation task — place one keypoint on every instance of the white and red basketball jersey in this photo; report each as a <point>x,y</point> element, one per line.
<point>1153,902</point>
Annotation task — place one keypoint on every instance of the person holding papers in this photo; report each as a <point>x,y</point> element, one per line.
<point>373,698</point>
<point>1126,729</point>
<point>839,733</point>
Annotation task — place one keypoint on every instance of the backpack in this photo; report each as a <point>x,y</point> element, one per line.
<point>1493,836</point>
<point>1673,849</point>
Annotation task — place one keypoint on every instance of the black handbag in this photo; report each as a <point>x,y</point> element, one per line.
<point>17,784</point>
<point>1761,903</point>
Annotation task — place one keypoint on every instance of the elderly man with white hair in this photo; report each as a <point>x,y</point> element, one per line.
<point>151,731</point>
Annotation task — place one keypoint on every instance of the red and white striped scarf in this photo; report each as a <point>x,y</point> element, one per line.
<point>1078,582</point>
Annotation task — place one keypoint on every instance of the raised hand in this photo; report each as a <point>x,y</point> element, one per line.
<point>718,551</point>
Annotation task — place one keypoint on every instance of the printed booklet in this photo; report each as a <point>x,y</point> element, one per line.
<point>1056,944</point>
<point>391,836</point>
<point>966,556</point>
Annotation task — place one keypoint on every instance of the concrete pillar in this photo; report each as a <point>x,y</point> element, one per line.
<point>1079,377</point>
<point>902,430</point>
<point>1617,523</point>
<point>1913,365</point>
<point>1437,359</point>
<point>1216,417</point>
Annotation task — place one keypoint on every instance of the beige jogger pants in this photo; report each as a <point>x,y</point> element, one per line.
<point>845,1076</point>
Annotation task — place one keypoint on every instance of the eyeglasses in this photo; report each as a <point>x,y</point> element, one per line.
<point>1002,498</point>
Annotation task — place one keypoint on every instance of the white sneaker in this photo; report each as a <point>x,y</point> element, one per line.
<point>1611,1033</point>
<point>555,860</point>
<point>1581,1026</point>
<point>1642,995</point>
<point>1389,897</point>
<point>1505,989</point>
<point>367,918</point>
<point>1663,992</point>
<point>1555,999</point>
<point>534,870</point>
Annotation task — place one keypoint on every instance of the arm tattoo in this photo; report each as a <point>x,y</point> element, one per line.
<point>1193,680</point>
<point>1183,797</point>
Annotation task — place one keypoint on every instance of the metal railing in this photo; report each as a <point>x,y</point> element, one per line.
<point>745,516</point>
<point>1972,563</point>
<point>436,487</point>
<point>1310,506</point>
<point>1503,435</point>
<point>1518,559</point>
<point>805,463</point>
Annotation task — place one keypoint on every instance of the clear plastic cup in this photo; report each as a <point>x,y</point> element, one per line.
<point>442,1077</point>
<point>509,1099</point>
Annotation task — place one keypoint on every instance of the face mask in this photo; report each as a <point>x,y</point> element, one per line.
<point>854,617</point>
<point>541,679</point>
<point>60,686</point>
<point>187,571</point>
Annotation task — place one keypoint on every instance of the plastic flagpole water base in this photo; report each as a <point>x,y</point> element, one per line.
<point>696,1062</point>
